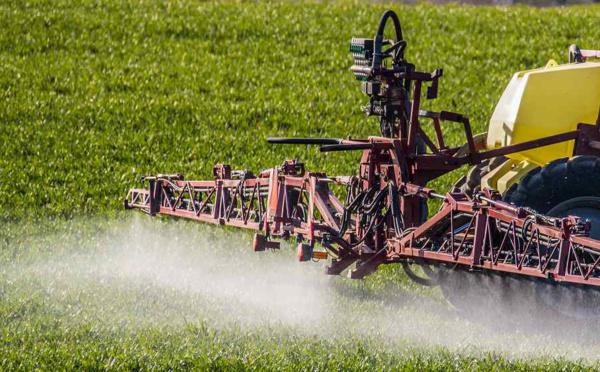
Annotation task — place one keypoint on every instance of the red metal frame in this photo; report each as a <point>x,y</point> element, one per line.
<point>382,217</point>
<point>482,233</point>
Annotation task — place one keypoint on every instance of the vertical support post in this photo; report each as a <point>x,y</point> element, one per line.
<point>414,117</point>
<point>311,189</point>
<point>155,201</point>
<point>565,245</point>
<point>273,195</point>
<point>281,207</point>
<point>562,257</point>
<point>218,199</point>
<point>481,221</point>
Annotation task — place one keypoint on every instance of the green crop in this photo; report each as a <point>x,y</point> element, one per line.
<point>98,93</point>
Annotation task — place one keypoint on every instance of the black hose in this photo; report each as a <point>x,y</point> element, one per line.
<point>352,204</point>
<point>395,207</point>
<point>304,141</point>
<point>369,208</point>
<point>348,213</point>
<point>371,228</point>
<point>378,39</point>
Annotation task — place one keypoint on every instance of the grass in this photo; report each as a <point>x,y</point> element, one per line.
<point>96,293</point>
<point>97,93</point>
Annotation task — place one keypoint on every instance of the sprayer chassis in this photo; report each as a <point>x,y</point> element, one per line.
<point>383,218</point>
<point>480,233</point>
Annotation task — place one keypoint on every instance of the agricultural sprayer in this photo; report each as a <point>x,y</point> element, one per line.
<point>528,209</point>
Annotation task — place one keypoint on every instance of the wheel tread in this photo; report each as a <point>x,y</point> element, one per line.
<point>560,180</point>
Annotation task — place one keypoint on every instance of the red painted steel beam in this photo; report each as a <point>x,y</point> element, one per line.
<point>231,202</point>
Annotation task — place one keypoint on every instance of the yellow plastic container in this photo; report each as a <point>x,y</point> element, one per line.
<point>543,102</point>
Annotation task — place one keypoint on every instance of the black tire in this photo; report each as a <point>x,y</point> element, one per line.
<point>545,187</point>
<point>486,297</point>
<point>471,183</point>
<point>561,183</point>
<point>564,187</point>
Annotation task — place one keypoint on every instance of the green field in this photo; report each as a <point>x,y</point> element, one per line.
<point>94,94</point>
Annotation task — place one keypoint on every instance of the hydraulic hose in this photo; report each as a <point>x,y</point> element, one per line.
<point>378,39</point>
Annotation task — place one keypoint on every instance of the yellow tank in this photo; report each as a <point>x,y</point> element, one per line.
<point>543,102</point>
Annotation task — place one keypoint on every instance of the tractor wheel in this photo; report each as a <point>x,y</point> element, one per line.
<point>487,297</point>
<point>563,187</point>
<point>456,288</point>
<point>471,183</point>
<point>569,186</point>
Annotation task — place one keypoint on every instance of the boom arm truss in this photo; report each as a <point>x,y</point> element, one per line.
<point>480,233</point>
<point>382,218</point>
